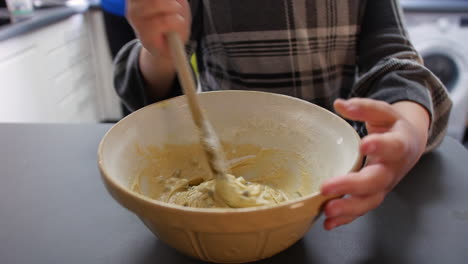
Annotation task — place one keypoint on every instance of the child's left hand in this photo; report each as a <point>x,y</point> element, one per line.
<point>396,140</point>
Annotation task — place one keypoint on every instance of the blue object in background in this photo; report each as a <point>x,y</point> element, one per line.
<point>116,7</point>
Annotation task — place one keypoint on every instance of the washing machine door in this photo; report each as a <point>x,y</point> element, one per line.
<point>449,62</point>
<point>445,67</point>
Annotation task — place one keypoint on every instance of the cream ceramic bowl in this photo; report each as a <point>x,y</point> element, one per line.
<point>324,140</point>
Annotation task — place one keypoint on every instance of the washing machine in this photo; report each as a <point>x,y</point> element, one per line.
<point>439,31</point>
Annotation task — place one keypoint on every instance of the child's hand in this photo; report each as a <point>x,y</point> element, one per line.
<point>152,19</point>
<point>397,138</point>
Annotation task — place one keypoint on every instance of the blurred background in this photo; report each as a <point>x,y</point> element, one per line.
<point>56,57</point>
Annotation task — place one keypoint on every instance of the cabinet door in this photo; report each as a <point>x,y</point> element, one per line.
<point>48,75</point>
<point>22,76</point>
<point>71,70</point>
<point>108,101</point>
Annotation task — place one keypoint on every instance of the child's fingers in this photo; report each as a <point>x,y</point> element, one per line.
<point>167,6</point>
<point>162,23</point>
<point>376,113</point>
<point>386,147</point>
<point>369,180</point>
<point>155,33</point>
<point>170,23</point>
<point>343,211</point>
<point>152,19</point>
<point>354,206</point>
<point>332,223</point>
<point>151,8</point>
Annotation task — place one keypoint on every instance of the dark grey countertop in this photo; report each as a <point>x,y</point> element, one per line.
<point>55,209</point>
<point>39,19</point>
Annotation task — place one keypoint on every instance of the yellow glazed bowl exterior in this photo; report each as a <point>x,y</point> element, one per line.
<point>231,235</point>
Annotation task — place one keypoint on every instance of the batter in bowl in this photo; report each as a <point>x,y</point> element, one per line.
<point>177,174</point>
<point>178,191</point>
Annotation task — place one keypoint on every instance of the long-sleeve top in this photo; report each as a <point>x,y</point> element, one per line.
<point>316,50</point>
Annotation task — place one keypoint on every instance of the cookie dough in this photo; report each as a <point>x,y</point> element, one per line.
<point>187,182</point>
<point>246,194</point>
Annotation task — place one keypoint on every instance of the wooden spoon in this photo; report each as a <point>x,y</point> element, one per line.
<point>227,188</point>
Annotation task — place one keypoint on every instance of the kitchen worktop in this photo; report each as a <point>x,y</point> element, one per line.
<point>55,209</point>
<point>40,18</point>
<point>434,5</point>
<point>64,52</point>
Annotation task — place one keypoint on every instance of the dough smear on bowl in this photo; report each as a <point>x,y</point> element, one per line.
<point>178,174</point>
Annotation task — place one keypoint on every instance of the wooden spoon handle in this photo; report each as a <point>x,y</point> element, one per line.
<point>208,137</point>
<point>185,75</point>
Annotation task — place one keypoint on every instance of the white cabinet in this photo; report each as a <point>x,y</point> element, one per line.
<point>108,102</point>
<point>52,75</point>
<point>19,96</point>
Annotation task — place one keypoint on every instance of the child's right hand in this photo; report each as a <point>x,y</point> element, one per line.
<point>152,19</point>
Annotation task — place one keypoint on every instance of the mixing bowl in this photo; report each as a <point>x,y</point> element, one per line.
<point>322,145</point>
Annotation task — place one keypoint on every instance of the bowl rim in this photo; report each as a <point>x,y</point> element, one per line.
<point>122,189</point>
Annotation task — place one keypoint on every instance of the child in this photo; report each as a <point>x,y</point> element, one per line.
<point>349,55</point>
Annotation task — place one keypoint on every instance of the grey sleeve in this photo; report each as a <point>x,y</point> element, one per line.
<point>391,70</point>
<point>129,82</point>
